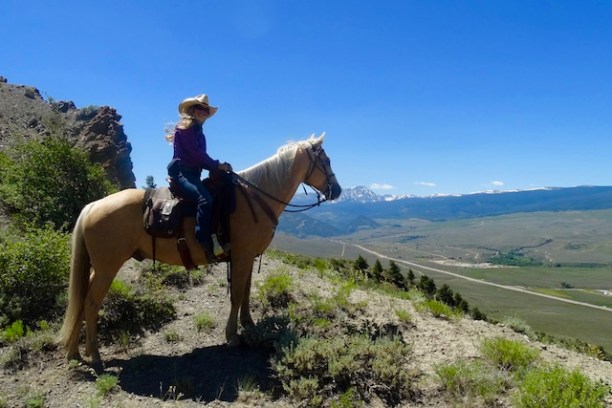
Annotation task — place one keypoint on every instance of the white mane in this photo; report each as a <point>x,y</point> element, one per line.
<point>270,171</point>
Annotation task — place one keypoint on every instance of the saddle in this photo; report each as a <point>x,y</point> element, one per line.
<point>164,210</point>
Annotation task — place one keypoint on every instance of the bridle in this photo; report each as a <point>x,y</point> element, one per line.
<point>317,160</point>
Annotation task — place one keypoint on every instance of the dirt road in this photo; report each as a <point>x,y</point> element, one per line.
<point>479,281</point>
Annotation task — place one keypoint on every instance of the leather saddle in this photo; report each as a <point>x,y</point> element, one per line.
<point>164,210</point>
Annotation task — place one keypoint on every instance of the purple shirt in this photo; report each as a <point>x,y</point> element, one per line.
<point>190,148</point>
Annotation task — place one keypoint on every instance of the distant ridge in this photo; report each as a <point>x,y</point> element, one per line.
<point>359,207</point>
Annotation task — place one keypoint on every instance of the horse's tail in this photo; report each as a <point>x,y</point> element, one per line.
<point>80,266</point>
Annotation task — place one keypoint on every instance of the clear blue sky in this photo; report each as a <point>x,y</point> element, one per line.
<point>416,97</point>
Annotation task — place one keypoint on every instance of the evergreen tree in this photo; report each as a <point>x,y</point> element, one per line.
<point>411,277</point>
<point>477,314</point>
<point>150,182</point>
<point>461,303</point>
<point>395,276</point>
<point>361,266</point>
<point>377,271</point>
<point>427,286</point>
<point>445,295</point>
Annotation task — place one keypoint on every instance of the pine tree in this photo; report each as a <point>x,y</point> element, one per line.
<point>377,271</point>
<point>361,264</point>
<point>445,295</point>
<point>395,276</point>
<point>411,277</point>
<point>150,182</point>
<point>427,286</point>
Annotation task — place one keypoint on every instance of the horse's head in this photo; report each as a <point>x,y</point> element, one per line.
<point>320,174</point>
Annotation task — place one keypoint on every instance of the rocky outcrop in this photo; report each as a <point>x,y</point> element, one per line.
<point>26,115</point>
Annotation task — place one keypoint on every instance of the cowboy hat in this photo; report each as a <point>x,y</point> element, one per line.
<point>197,100</point>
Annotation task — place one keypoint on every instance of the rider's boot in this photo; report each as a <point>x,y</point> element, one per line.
<point>209,252</point>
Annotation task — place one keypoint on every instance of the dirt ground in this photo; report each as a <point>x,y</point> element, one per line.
<point>199,369</point>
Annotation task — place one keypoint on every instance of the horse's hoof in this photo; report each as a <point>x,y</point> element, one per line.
<point>97,366</point>
<point>234,341</point>
<point>74,356</point>
<point>247,323</point>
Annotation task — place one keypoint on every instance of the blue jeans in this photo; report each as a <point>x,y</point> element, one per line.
<point>193,190</point>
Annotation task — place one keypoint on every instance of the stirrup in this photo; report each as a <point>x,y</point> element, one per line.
<point>218,250</point>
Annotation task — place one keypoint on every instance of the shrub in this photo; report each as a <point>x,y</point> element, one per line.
<point>465,381</point>
<point>509,355</point>
<point>271,332</point>
<point>35,399</point>
<point>106,383</point>
<point>172,336</point>
<point>14,332</point>
<point>404,316</point>
<point>204,321</point>
<point>439,309</point>
<point>171,275</point>
<point>34,272</point>
<point>552,387</point>
<point>317,315</point>
<point>275,290</point>
<point>519,326</point>
<point>317,369</point>
<point>125,311</point>
<point>50,182</point>
<point>88,112</point>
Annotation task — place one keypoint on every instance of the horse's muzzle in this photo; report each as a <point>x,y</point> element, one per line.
<point>333,191</point>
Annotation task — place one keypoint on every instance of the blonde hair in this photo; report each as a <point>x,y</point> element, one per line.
<point>186,120</point>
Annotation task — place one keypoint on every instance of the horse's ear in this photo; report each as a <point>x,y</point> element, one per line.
<point>320,139</point>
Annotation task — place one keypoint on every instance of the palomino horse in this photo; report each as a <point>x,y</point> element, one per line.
<point>110,231</point>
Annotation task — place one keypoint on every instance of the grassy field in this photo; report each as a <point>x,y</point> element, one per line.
<point>570,253</point>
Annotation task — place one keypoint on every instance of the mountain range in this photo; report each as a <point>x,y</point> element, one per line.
<point>359,207</point>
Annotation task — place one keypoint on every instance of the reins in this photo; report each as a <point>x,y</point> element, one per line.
<point>302,207</point>
<point>297,207</point>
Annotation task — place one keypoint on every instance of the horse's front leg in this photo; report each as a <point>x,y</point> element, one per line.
<point>241,279</point>
<point>245,312</point>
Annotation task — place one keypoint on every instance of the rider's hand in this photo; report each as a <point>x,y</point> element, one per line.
<point>225,167</point>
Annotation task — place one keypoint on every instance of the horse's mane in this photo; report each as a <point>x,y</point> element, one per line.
<point>269,172</point>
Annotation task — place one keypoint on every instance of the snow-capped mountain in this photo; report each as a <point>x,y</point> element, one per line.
<point>359,194</point>
<point>359,207</point>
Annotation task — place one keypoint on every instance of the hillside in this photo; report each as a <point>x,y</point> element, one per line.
<point>26,115</point>
<point>196,368</point>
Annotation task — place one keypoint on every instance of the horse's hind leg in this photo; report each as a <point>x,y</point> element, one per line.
<point>99,285</point>
<point>73,342</point>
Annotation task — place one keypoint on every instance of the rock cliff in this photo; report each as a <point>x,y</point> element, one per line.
<point>26,115</point>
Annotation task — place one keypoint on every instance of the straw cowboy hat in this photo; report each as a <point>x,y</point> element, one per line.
<point>197,100</point>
